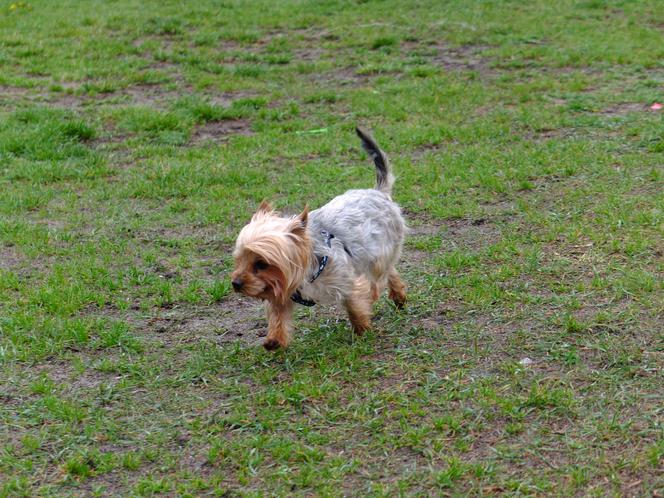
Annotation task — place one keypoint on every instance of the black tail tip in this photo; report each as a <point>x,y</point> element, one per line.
<point>361,133</point>
<point>368,142</point>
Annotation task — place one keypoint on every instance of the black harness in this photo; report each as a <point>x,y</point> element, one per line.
<point>322,263</point>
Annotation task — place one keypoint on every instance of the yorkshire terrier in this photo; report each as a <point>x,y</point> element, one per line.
<point>343,253</point>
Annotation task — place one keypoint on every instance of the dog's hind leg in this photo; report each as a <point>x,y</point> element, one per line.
<point>358,305</point>
<point>397,289</point>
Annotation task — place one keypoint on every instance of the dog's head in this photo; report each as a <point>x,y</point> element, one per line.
<point>272,255</point>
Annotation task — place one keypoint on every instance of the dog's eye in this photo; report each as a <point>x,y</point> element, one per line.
<point>260,265</point>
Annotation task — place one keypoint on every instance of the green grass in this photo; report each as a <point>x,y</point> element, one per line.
<point>136,139</point>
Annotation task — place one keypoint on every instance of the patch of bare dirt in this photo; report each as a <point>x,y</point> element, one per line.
<point>63,373</point>
<point>156,95</point>
<point>231,45</point>
<point>216,131</point>
<point>11,93</point>
<point>430,148</point>
<point>68,100</point>
<point>463,58</point>
<point>234,319</point>
<point>308,54</point>
<point>624,108</point>
<point>227,98</point>
<point>72,99</point>
<point>231,320</point>
<point>147,95</point>
<point>9,258</point>
<point>111,141</point>
<point>315,35</point>
<point>345,76</point>
<point>552,133</point>
<point>569,133</point>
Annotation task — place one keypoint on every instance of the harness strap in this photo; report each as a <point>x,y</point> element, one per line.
<point>322,263</point>
<point>297,297</point>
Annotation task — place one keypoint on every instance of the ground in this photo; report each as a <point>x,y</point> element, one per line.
<point>136,138</point>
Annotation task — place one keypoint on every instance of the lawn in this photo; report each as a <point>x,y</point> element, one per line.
<point>136,139</point>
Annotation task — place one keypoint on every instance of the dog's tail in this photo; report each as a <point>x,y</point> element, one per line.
<point>384,176</point>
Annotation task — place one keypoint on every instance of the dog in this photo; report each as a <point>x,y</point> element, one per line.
<point>343,253</point>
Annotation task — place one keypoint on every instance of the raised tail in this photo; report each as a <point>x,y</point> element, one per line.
<point>384,176</point>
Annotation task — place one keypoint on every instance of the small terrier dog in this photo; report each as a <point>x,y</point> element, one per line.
<point>343,253</point>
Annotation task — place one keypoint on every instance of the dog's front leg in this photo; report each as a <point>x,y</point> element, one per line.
<point>279,321</point>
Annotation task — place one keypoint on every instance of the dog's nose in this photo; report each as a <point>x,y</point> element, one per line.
<point>237,284</point>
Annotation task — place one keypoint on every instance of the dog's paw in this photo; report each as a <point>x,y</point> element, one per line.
<point>271,344</point>
<point>399,300</point>
<point>359,330</point>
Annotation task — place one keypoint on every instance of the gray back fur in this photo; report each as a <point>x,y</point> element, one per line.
<point>368,236</point>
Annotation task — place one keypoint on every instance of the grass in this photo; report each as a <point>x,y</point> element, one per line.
<point>136,138</point>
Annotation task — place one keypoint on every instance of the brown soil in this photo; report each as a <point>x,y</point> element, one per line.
<point>9,258</point>
<point>216,131</point>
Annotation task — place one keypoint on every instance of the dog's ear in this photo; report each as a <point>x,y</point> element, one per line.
<point>300,222</point>
<point>304,216</point>
<point>265,207</point>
